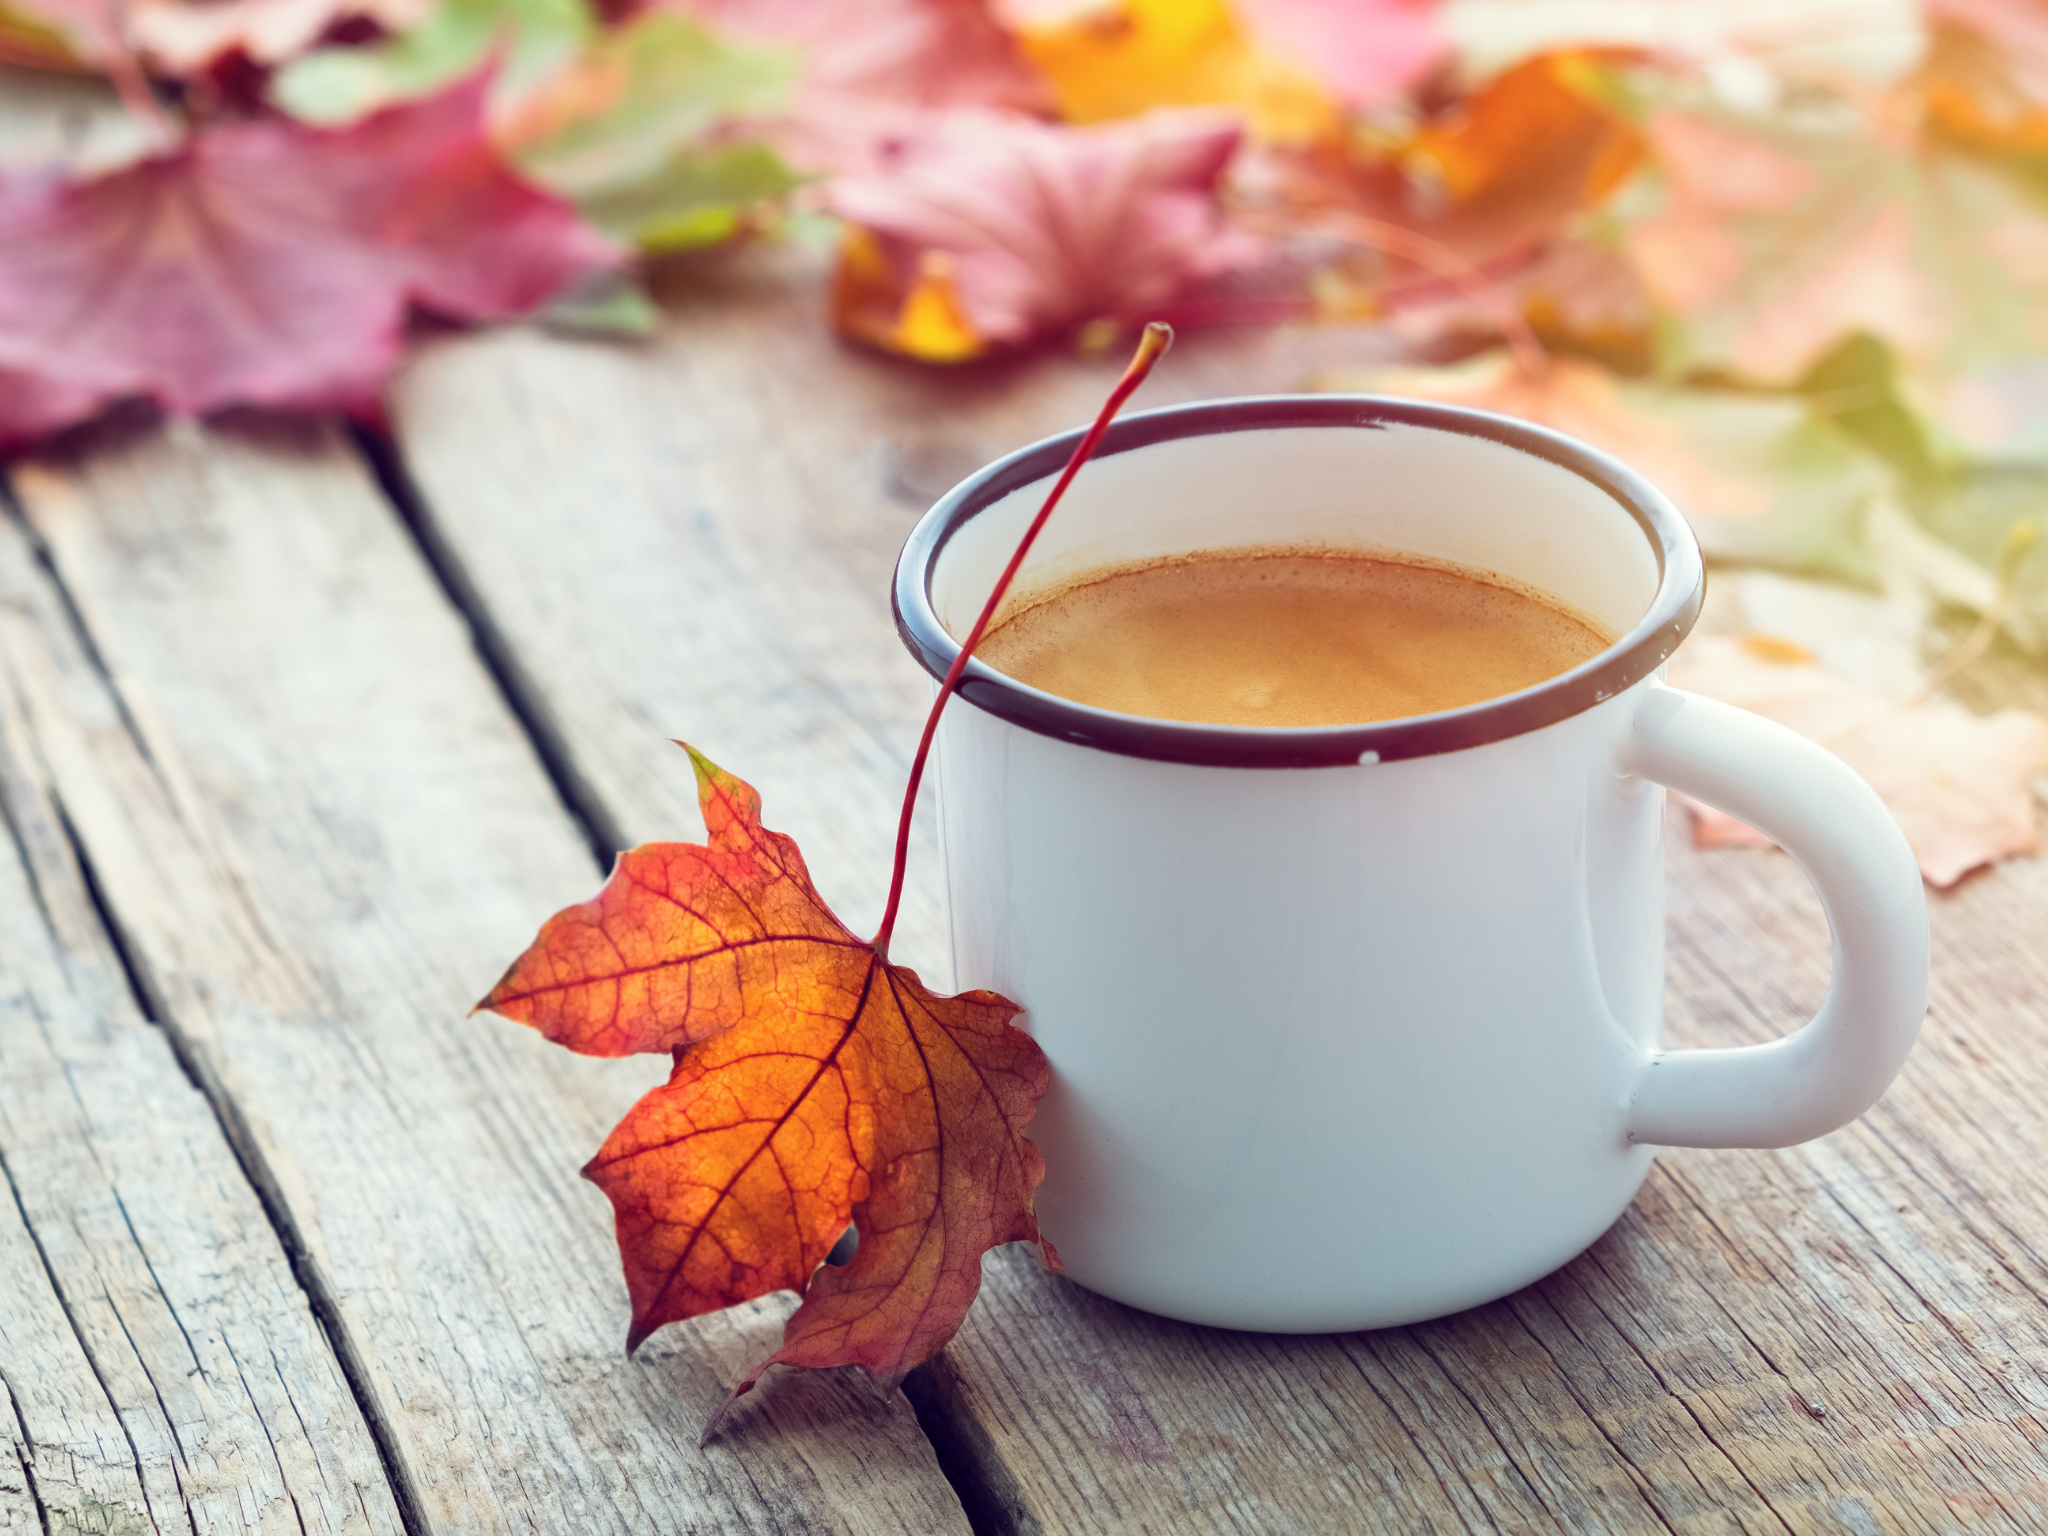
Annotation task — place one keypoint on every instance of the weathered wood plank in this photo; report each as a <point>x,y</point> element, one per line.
<point>321,833</point>
<point>163,1367</point>
<point>62,1431</point>
<point>694,539</point>
<point>19,1511</point>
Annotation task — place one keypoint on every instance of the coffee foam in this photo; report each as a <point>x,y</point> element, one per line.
<point>1287,636</point>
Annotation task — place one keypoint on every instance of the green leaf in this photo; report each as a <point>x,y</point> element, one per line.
<point>1856,386</point>
<point>1816,484</point>
<point>697,198</point>
<point>1955,545</point>
<point>537,38</point>
<point>642,94</point>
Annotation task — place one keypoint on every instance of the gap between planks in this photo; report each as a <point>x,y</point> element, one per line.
<point>581,802</point>
<point>168,547</point>
<point>141,1114</point>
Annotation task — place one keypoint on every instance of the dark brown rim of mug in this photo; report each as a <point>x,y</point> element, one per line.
<point>1681,584</point>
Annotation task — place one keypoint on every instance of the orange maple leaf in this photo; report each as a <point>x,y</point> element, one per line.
<point>814,1083</point>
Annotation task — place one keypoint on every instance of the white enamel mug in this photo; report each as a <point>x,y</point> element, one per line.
<point>1359,1025</point>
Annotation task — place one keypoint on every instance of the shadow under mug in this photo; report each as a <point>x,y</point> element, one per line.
<point>1358,1025</point>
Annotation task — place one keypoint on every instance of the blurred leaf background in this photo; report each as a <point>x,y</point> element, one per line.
<point>1788,257</point>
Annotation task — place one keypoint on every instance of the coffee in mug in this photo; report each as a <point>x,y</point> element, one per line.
<point>1280,636</point>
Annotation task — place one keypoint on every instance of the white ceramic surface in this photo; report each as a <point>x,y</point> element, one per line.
<point>1344,1046</point>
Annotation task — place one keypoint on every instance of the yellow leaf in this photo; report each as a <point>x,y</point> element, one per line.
<point>1133,55</point>
<point>1539,125</point>
<point>932,326</point>
<point>913,312</point>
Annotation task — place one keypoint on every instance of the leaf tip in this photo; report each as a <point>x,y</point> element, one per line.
<point>708,773</point>
<point>718,1414</point>
<point>494,1000</point>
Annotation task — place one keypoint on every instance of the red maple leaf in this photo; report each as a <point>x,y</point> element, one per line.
<point>814,1084</point>
<point>268,263</point>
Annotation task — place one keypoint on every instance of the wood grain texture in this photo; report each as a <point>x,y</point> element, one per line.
<point>694,538</point>
<point>162,1367</point>
<point>321,834</point>
<point>19,1511</point>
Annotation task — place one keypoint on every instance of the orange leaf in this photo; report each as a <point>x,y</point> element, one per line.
<point>1480,187</point>
<point>814,1083</point>
<point>1529,148</point>
<point>1984,79</point>
<point>915,312</point>
<point>1134,55</point>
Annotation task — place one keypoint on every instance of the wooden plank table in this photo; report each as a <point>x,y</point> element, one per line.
<point>302,735</point>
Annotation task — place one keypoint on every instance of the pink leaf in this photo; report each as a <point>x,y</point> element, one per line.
<point>267,264</point>
<point>1363,50</point>
<point>872,66</point>
<point>1046,227</point>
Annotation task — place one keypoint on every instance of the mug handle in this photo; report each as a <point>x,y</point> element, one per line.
<point>1815,807</point>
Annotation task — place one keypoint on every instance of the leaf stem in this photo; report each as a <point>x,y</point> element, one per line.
<point>1151,346</point>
